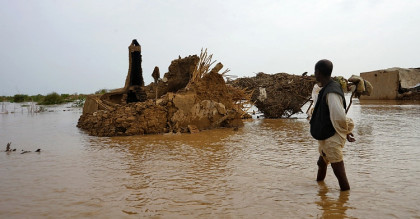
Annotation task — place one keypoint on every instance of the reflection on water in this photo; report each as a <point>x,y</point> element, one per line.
<point>332,207</point>
<point>265,169</point>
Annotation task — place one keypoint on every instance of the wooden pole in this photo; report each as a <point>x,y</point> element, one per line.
<point>351,101</point>
<point>309,106</point>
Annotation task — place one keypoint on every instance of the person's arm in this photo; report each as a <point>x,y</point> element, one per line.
<point>338,114</point>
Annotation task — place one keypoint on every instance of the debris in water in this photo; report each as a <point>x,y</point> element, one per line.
<point>278,95</point>
<point>24,152</point>
<point>8,146</point>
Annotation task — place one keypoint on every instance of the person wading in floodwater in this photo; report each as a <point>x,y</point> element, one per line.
<point>329,124</point>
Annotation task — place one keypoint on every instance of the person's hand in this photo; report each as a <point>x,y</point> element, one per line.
<point>350,137</point>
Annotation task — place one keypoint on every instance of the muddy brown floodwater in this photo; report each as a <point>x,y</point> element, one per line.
<point>266,169</point>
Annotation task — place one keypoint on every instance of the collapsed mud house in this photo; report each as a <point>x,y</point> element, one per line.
<point>394,83</point>
<point>190,97</point>
<point>278,95</point>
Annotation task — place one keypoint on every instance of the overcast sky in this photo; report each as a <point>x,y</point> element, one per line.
<point>81,46</point>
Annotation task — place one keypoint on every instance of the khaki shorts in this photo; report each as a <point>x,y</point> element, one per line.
<point>331,148</point>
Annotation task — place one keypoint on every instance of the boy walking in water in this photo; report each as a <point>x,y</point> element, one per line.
<point>329,124</point>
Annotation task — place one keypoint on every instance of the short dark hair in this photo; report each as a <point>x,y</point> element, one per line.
<point>324,66</point>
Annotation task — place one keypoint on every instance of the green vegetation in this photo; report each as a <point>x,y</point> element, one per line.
<point>36,98</point>
<point>49,99</point>
<point>64,96</point>
<point>102,91</point>
<point>52,98</point>
<point>19,98</point>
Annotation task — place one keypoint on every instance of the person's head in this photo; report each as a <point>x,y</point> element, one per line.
<point>323,70</point>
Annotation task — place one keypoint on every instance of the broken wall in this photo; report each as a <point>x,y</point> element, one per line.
<point>385,84</point>
<point>409,77</point>
<point>391,84</point>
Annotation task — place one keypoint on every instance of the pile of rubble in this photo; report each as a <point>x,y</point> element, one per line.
<point>278,95</point>
<point>190,97</point>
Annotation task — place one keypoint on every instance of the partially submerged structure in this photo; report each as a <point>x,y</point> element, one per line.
<point>393,83</point>
<point>278,95</point>
<point>191,96</point>
<point>133,90</point>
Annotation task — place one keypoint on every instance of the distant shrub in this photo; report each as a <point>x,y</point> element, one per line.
<point>65,96</point>
<point>6,98</point>
<point>68,98</point>
<point>19,98</point>
<point>52,98</point>
<point>36,98</point>
<point>102,91</point>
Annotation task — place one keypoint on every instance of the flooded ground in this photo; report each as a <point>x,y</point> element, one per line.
<point>266,169</point>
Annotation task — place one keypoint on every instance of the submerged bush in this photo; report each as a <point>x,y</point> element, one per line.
<point>52,98</point>
<point>19,98</point>
<point>36,98</point>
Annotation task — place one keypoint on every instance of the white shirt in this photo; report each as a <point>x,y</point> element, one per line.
<point>339,120</point>
<point>315,92</point>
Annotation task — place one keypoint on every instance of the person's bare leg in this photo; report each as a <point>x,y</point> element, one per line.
<point>322,169</point>
<point>340,173</point>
